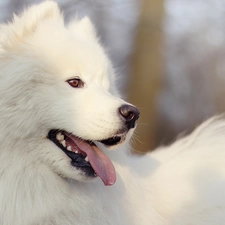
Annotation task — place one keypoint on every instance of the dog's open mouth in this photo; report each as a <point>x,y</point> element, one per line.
<point>85,155</point>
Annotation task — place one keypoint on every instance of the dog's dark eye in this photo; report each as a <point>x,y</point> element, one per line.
<point>75,83</point>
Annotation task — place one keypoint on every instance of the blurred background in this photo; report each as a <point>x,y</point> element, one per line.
<point>169,56</point>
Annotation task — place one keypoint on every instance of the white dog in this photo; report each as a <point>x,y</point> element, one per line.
<point>60,124</point>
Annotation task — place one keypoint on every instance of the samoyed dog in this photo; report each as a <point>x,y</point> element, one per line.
<point>65,132</point>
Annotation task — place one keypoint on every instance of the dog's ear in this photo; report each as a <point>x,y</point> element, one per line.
<point>83,26</point>
<point>26,23</point>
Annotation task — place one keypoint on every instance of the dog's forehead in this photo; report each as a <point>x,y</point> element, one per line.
<point>73,55</point>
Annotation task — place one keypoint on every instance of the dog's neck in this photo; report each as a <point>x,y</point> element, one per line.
<point>31,189</point>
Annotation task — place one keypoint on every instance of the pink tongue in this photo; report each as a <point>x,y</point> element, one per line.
<point>101,164</point>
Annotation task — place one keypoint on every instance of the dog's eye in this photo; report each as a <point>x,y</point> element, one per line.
<point>75,83</point>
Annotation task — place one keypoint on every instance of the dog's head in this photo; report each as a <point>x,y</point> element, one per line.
<point>60,93</point>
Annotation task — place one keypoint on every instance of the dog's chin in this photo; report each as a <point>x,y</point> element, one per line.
<point>85,156</point>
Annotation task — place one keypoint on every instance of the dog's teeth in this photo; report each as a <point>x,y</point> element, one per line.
<point>63,143</point>
<point>86,159</point>
<point>60,136</point>
<point>76,151</point>
<point>69,148</point>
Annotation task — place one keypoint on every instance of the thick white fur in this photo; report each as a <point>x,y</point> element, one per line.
<point>183,184</point>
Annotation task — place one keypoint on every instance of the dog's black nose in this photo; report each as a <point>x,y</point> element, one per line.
<point>130,114</point>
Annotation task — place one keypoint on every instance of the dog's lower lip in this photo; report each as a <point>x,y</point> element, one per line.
<point>78,157</point>
<point>85,155</point>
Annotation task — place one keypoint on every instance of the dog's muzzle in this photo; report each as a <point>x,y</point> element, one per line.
<point>129,114</point>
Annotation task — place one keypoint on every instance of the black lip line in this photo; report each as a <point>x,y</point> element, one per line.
<point>75,157</point>
<point>120,136</point>
<point>78,159</point>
